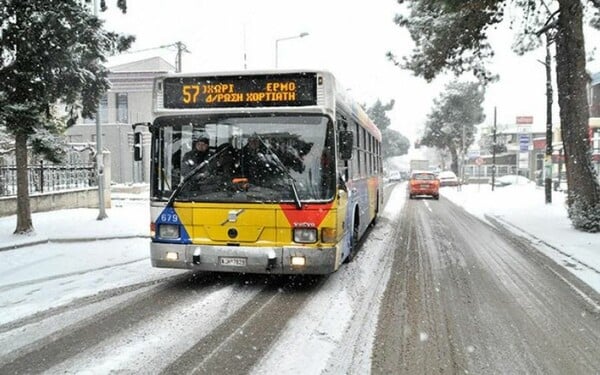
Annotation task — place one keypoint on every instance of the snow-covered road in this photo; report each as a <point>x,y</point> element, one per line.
<point>429,280</point>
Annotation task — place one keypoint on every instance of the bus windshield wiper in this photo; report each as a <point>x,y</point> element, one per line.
<point>190,175</point>
<point>284,169</point>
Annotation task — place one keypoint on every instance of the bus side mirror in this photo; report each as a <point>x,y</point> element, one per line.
<point>137,146</point>
<point>346,143</point>
<point>342,183</point>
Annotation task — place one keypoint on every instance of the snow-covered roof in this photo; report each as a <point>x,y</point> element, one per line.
<point>150,64</point>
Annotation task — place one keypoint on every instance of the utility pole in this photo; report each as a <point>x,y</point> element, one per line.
<point>547,31</point>
<point>180,49</point>
<point>462,156</point>
<point>245,65</point>
<point>548,156</point>
<point>494,152</point>
<point>99,154</point>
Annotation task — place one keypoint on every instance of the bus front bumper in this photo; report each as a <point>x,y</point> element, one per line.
<point>275,260</point>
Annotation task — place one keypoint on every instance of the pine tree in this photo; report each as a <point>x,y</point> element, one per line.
<point>393,143</point>
<point>51,51</point>
<point>451,123</point>
<point>453,35</point>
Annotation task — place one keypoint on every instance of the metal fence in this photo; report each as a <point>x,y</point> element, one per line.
<point>45,177</point>
<point>485,171</point>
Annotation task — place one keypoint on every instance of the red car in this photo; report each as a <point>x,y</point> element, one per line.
<point>423,183</point>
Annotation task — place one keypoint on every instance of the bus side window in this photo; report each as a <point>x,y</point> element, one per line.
<point>343,165</point>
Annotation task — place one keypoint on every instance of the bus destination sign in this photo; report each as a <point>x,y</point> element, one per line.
<point>240,91</point>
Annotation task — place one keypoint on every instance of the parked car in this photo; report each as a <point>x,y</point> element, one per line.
<point>423,183</point>
<point>395,176</point>
<point>448,178</point>
<point>511,179</point>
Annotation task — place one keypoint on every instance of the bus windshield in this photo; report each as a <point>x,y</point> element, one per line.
<point>225,158</point>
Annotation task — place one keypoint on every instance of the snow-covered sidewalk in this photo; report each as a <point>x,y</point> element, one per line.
<point>126,219</point>
<point>522,209</point>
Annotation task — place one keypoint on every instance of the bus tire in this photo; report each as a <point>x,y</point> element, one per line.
<point>376,216</point>
<point>353,240</point>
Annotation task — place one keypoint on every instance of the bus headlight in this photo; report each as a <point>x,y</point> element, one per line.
<point>305,235</point>
<point>168,231</point>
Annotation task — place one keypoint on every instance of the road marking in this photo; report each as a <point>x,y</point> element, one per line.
<point>427,205</point>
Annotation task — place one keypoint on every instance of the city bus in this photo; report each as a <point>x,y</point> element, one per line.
<point>290,180</point>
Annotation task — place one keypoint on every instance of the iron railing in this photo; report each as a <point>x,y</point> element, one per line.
<point>45,177</point>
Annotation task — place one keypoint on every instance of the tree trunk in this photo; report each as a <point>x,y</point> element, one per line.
<point>454,164</point>
<point>24,223</point>
<point>572,78</point>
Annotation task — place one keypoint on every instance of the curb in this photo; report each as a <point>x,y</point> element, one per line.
<point>530,236</point>
<point>71,240</point>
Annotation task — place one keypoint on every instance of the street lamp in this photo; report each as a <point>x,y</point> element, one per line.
<point>99,154</point>
<point>301,35</point>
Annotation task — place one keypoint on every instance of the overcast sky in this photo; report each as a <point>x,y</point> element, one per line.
<point>348,38</point>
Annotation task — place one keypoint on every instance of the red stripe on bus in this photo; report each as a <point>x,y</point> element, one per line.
<point>310,214</point>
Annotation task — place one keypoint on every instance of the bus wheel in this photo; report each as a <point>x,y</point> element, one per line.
<point>353,243</point>
<point>376,216</point>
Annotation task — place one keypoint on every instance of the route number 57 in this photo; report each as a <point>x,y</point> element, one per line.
<point>190,93</point>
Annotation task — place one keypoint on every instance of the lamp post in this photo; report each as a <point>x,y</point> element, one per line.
<point>494,152</point>
<point>301,35</point>
<point>99,155</point>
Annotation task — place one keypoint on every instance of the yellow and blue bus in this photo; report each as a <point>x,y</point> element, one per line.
<point>290,182</point>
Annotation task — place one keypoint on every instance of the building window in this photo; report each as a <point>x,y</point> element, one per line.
<point>122,108</point>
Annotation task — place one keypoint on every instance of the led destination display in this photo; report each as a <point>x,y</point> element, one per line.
<point>240,91</point>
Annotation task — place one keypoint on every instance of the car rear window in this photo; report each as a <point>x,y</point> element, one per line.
<point>423,176</point>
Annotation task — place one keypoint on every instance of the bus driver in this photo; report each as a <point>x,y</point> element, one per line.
<point>195,156</point>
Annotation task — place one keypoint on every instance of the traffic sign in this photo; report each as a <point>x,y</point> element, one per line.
<point>479,161</point>
<point>523,142</point>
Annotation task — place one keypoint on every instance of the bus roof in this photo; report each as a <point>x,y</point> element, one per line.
<point>334,90</point>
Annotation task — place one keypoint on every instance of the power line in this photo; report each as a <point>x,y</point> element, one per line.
<point>153,48</point>
<point>180,46</point>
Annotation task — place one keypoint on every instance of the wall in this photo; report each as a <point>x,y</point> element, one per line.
<point>84,198</point>
<point>118,139</point>
<point>76,198</point>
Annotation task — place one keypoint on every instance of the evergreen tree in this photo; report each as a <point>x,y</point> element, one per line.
<point>393,143</point>
<point>486,143</point>
<point>451,123</point>
<point>51,51</point>
<point>453,35</point>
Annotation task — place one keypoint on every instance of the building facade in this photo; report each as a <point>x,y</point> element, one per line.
<point>128,101</point>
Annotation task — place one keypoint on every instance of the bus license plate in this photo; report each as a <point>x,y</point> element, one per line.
<point>230,261</point>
